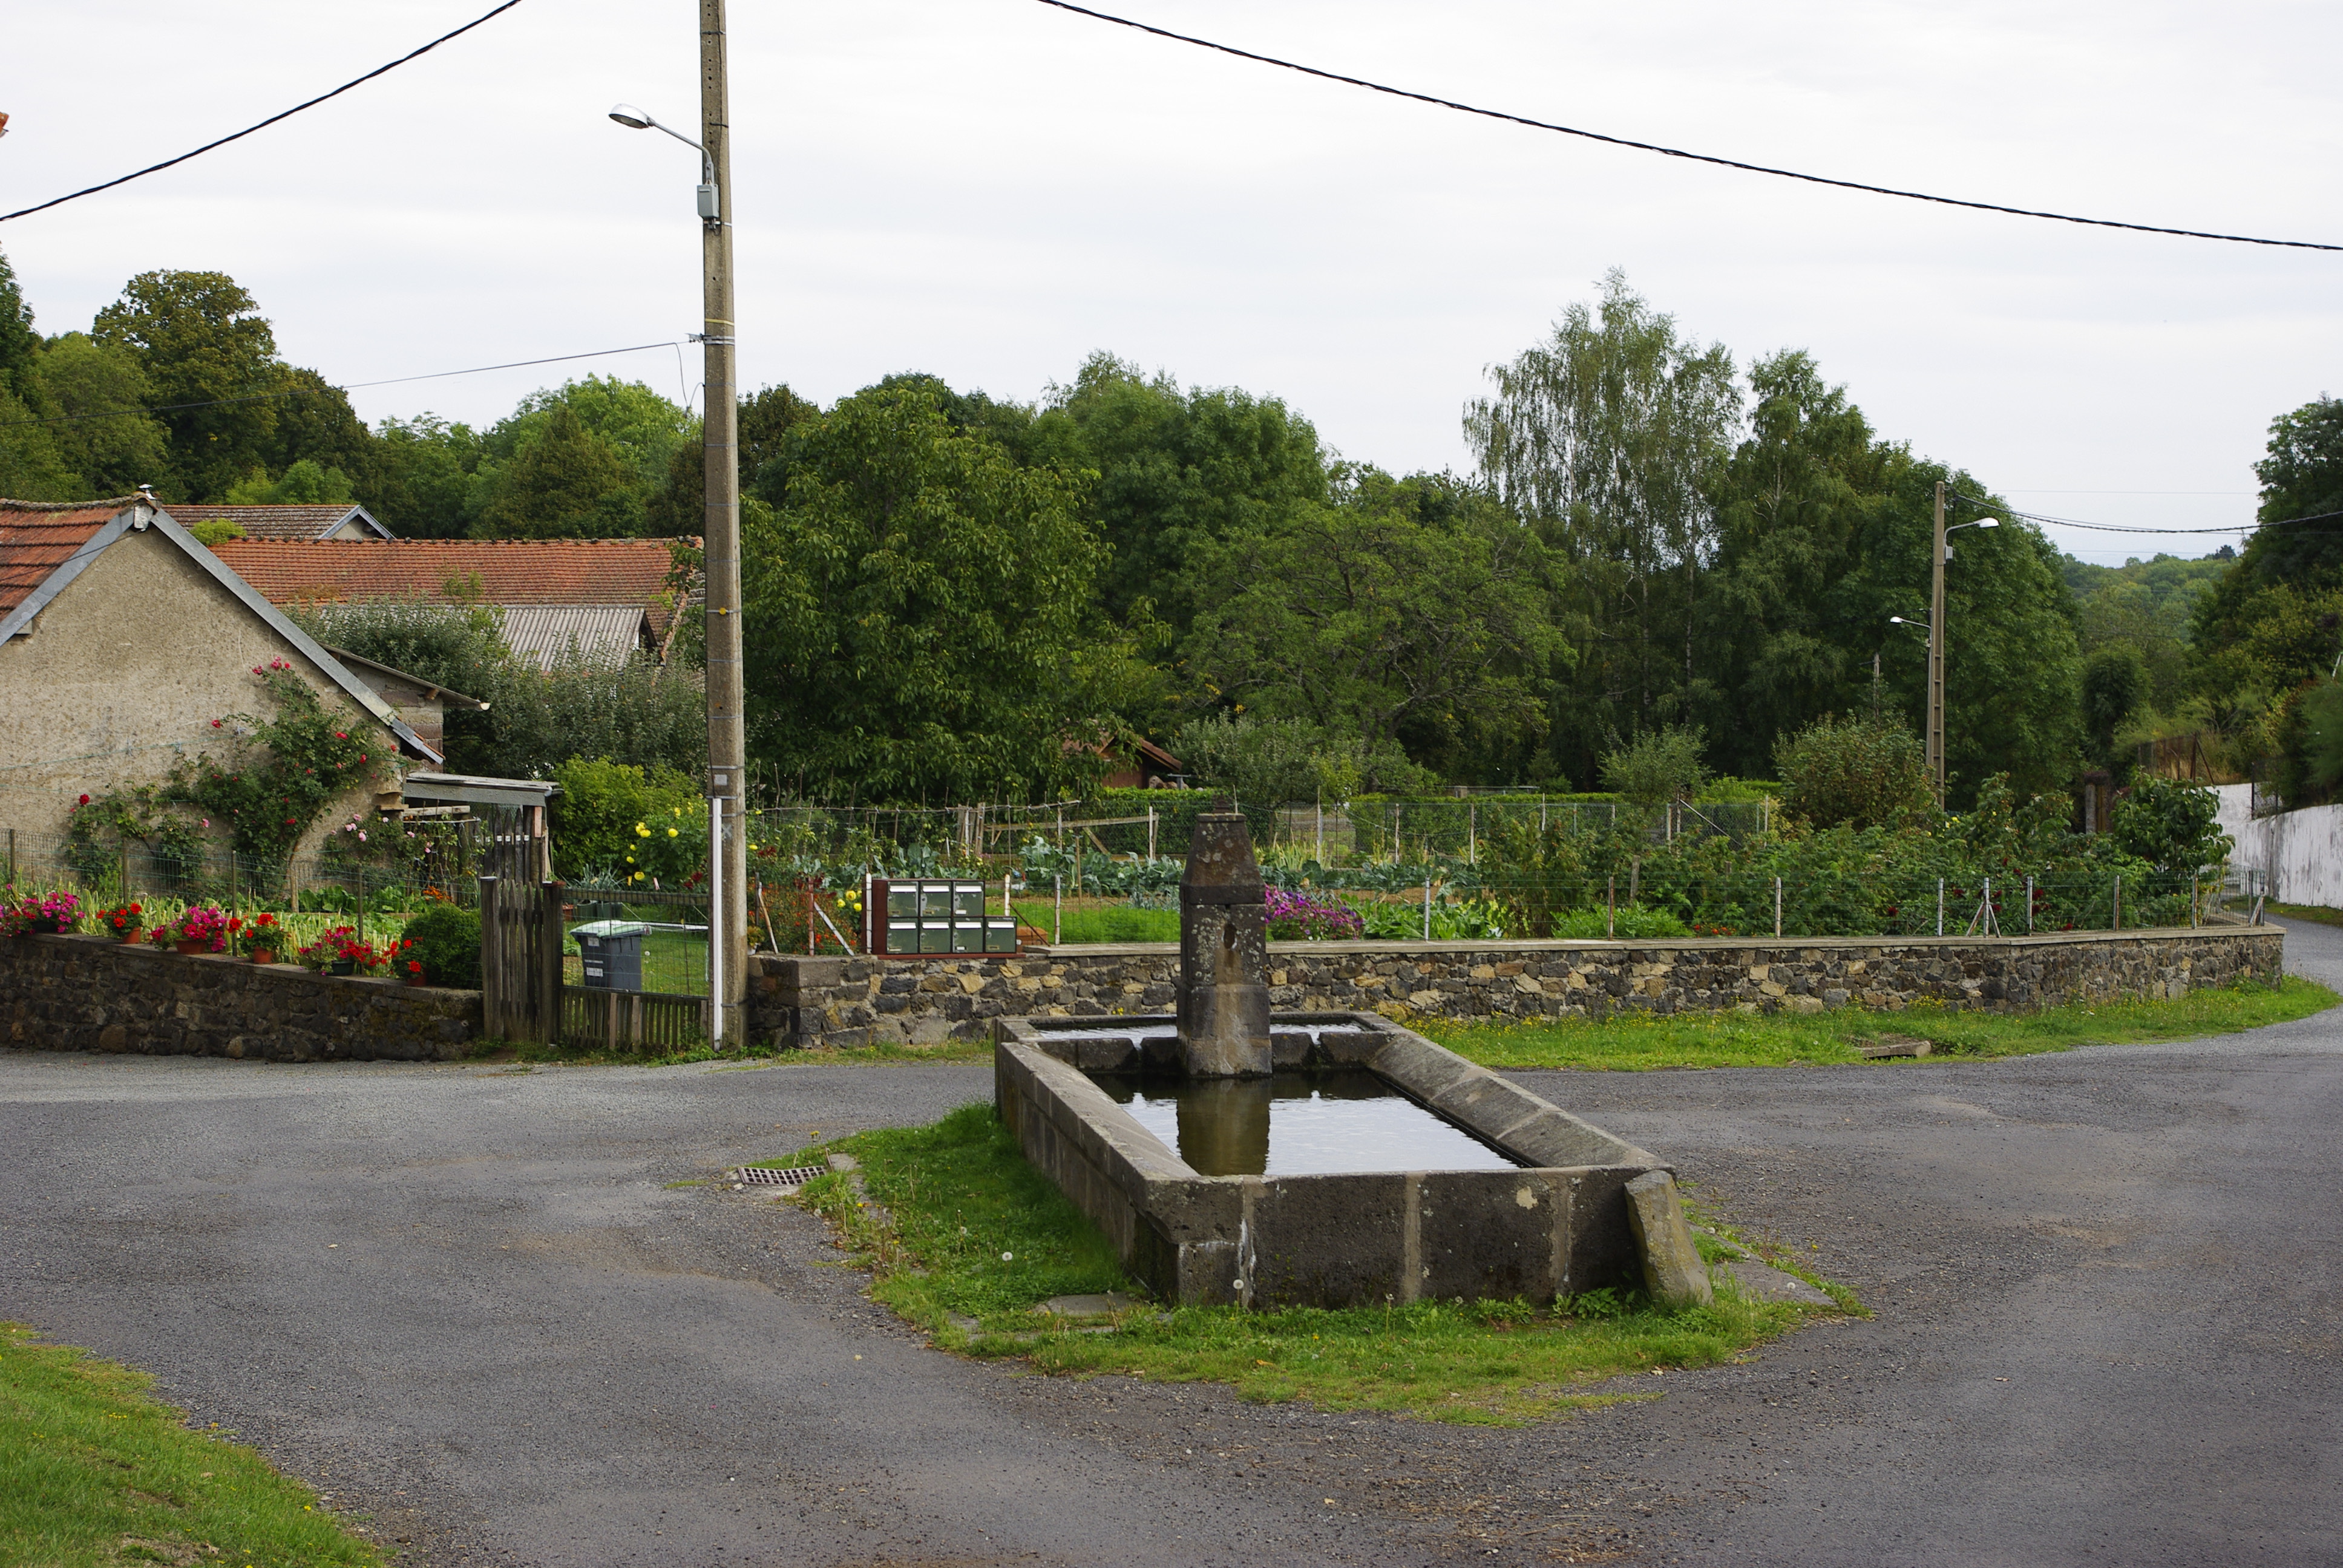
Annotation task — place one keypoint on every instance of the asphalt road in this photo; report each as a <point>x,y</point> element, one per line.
<point>464,1303</point>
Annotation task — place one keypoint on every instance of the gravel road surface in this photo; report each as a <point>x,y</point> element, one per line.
<point>467,1303</point>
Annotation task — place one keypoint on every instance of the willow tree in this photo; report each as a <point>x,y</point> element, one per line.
<point>1604,438</point>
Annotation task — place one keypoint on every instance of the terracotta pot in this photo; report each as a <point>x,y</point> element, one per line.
<point>195,945</point>
<point>132,934</point>
<point>264,956</point>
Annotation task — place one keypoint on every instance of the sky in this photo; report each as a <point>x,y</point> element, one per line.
<point>990,190</point>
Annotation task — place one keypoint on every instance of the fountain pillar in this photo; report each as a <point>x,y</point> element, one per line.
<point>1223,1011</point>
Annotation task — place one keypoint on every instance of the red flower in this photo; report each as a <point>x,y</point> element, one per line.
<point>84,800</point>
<point>216,724</point>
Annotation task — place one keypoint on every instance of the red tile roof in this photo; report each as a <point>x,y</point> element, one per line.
<point>36,537</point>
<point>489,572</point>
<point>273,522</point>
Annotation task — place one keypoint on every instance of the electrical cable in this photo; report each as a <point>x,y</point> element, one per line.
<point>303,391</point>
<point>2132,528</point>
<point>1673,152</point>
<point>289,114</point>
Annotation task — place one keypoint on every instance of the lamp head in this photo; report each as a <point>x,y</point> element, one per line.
<point>633,119</point>
<point>1987,523</point>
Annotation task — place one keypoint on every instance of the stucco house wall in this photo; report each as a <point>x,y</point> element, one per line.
<point>122,673</point>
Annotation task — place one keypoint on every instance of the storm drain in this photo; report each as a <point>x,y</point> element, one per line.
<point>794,1177</point>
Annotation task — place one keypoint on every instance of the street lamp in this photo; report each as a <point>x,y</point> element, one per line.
<point>728,848</point>
<point>1938,555</point>
<point>636,119</point>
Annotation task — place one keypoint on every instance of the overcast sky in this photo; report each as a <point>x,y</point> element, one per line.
<point>989,189</point>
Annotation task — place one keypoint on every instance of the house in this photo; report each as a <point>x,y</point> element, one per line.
<point>607,597</point>
<point>1142,765</point>
<point>122,639</point>
<point>343,520</point>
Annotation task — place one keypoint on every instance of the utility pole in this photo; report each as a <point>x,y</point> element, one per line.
<point>726,733</point>
<point>1937,652</point>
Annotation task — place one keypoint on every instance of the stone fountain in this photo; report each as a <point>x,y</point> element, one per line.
<point>1237,1155</point>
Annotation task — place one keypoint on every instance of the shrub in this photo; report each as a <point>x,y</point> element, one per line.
<point>446,939</point>
<point>601,815</point>
<point>1632,923</point>
<point>1855,772</point>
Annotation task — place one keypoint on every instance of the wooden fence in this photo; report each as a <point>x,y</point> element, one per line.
<point>658,1022</point>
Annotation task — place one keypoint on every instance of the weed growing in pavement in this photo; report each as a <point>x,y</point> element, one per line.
<point>93,1470</point>
<point>1642,1041</point>
<point>966,1238</point>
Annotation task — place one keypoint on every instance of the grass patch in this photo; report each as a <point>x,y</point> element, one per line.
<point>957,1228</point>
<point>94,1472</point>
<point>1785,1039</point>
<point>1086,922</point>
<point>2318,914</point>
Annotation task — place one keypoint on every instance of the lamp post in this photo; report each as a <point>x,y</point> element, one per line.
<point>721,552</point>
<point>1939,553</point>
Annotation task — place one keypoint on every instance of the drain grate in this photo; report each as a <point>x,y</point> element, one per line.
<point>759,1176</point>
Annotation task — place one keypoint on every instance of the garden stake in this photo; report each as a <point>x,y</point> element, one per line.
<point>2119,926</point>
<point>2029,905</point>
<point>2192,900</point>
<point>765,910</point>
<point>361,898</point>
<point>1611,910</point>
<point>1427,906</point>
<point>1778,907</point>
<point>1940,906</point>
<point>1058,909</point>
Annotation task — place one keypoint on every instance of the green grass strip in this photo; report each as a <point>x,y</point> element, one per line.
<point>94,1472</point>
<point>966,1238</point>
<point>1645,1041</point>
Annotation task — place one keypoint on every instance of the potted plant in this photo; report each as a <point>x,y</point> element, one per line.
<point>36,914</point>
<point>337,953</point>
<point>261,938</point>
<point>203,928</point>
<point>123,920</point>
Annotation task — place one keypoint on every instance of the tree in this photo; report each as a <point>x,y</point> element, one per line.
<point>423,477</point>
<point>304,484</point>
<point>1784,639</point>
<point>1269,761</point>
<point>1605,438</point>
<point>767,421</point>
<point>568,482</point>
<point>316,425</point>
<point>19,344</point>
<point>1656,769</point>
<point>917,613</point>
<point>30,466</point>
<point>96,390</point>
<point>2271,622</point>
<point>2115,687</point>
<point>1177,473</point>
<point>1364,619</point>
<point>211,367</point>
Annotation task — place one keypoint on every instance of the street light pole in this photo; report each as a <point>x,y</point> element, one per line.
<point>1937,653</point>
<point>727,732</point>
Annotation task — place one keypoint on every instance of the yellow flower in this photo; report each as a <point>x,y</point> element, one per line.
<point>671,833</point>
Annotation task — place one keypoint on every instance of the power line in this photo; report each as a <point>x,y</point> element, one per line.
<point>312,103</point>
<point>1672,152</point>
<point>2133,528</point>
<point>300,391</point>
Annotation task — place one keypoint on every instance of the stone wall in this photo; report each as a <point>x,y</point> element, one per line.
<point>90,993</point>
<point>800,1001</point>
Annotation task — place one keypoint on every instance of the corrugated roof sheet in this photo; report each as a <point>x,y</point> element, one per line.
<point>584,572</point>
<point>541,633</point>
<point>36,537</point>
<point>289,523</point>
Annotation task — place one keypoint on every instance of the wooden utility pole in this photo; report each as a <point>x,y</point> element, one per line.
<point>1937,652</point>
<point>726,735</point>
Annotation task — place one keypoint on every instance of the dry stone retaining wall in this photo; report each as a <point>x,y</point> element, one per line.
<point>90,993</point>
<point>862,1001</point>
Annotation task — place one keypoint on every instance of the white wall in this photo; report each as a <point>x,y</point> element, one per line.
<point>2300,852</point>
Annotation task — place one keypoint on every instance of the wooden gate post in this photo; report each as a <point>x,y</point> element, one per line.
<point>492,962</point>
<point>547,978</point>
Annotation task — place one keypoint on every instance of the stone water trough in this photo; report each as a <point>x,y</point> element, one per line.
<point>1322,1160</point>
